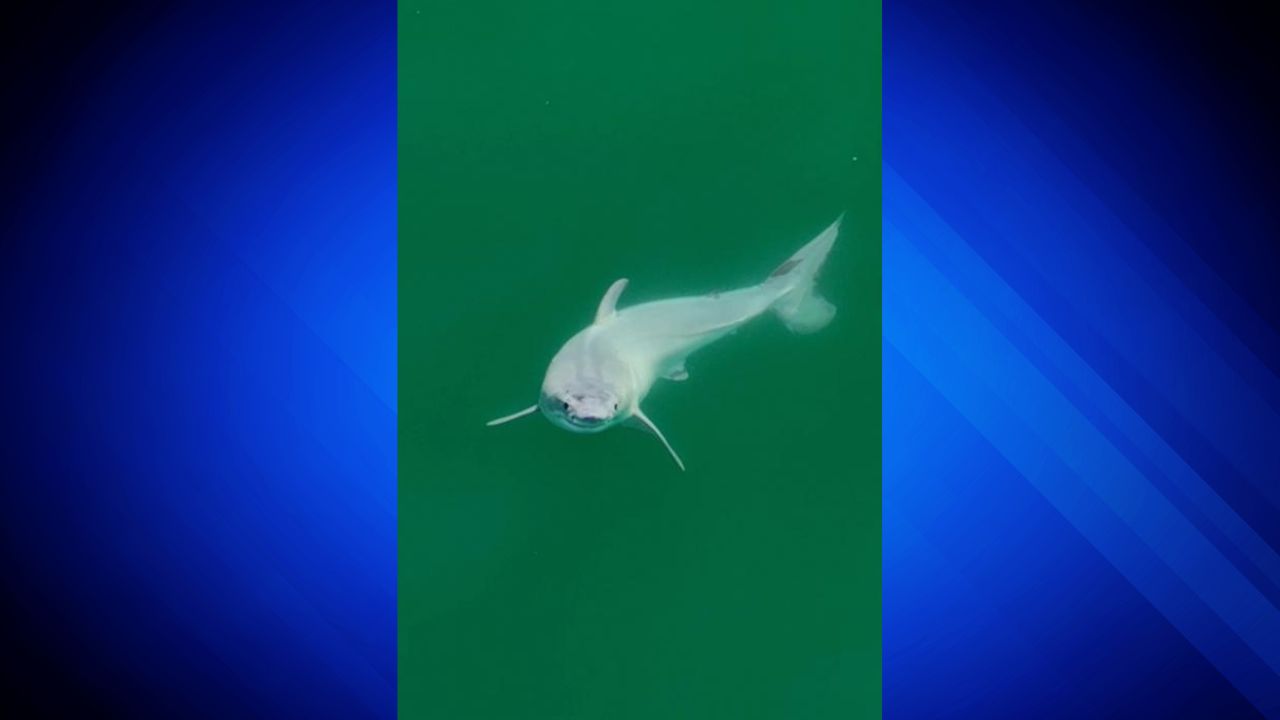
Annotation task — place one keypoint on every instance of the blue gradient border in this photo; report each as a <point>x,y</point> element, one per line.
<point>1081,402</point>
<point>200,502</point>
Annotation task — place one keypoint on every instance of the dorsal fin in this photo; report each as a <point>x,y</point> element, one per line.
<point>609,303</point>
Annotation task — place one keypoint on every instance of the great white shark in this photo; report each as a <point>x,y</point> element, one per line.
<point>601,375</point>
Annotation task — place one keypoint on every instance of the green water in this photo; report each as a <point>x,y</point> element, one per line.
<point>547,149</point>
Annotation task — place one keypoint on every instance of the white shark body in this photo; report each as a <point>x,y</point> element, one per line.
<point>602,374</point>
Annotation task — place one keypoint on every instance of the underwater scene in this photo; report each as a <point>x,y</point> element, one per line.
<point>683,518</point>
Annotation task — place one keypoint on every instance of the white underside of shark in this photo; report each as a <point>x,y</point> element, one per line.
<point>602,374</point>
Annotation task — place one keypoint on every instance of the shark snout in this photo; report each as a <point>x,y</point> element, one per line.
<point>581,412</point>
<point>588,421</point>
<point>589,411</point>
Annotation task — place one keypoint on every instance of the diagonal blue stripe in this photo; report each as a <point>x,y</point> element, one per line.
<point>933,236</point>
<point>988,360</point>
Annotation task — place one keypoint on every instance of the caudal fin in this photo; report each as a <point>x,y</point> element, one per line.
<point>800,307</point>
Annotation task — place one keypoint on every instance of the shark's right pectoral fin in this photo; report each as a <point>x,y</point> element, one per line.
<point>513,416</point>
<point>643,421</point>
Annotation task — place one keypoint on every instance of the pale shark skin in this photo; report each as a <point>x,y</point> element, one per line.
<point>602,374</point>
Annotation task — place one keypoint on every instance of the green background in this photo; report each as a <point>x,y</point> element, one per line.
<point>547,149</point>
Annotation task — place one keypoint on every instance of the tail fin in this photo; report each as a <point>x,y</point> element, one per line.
<point>800,307</point>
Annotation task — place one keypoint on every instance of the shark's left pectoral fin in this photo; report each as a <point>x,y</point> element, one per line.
<point>643,421</point>
<point>513,416</point>
<point>609,303</point>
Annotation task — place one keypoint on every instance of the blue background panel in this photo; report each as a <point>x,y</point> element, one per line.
<point>1081,402</point>
<point>199,433</point>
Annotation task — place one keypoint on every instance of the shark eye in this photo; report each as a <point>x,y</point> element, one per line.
<point>615,406</point>
<point>564,405</point>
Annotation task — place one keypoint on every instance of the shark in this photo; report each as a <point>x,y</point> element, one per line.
<point>600,377</point>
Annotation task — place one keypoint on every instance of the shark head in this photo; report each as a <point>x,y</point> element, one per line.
<point>583,407</point>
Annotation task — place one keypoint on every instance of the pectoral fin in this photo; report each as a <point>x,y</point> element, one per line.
<point>643,421</point>
<point>513,416</point>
